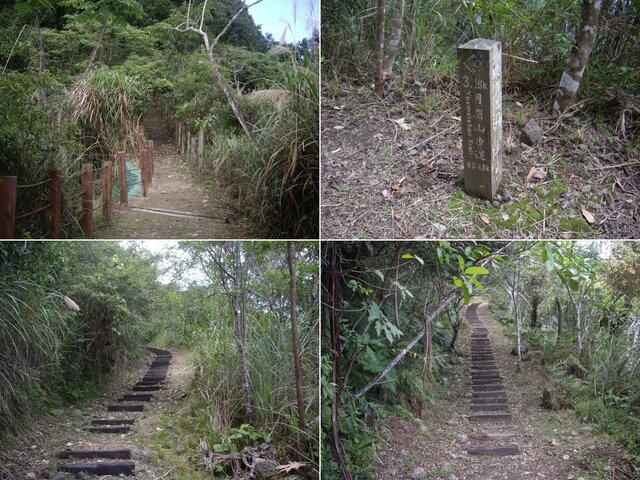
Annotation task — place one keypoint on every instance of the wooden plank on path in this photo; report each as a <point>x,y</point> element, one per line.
<point>489,407</point>
<point>112,421</point>
<point>106,468</point>
<point>125,408</point>
<point>501,450</point>
<point>111,454</point>
<point>489,417</point>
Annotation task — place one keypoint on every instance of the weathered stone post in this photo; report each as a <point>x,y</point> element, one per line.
<point>480,73</point>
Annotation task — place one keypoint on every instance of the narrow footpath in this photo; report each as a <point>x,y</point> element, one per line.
<point>487,422</point>
<point>177,206</point>
<point>114,434</point>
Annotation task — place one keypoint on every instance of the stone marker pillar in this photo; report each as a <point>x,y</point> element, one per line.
<point>480,73</point>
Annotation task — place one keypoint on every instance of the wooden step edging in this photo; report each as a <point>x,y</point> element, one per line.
<point>110,454</point>
<point>106,468</point>
<point>126,408</point>
<point>112,421</point>
<point>489,417</point>
<point>120,429</point>
<point>500,450</point>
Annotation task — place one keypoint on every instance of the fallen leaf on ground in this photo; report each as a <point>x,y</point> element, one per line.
<point>485,218</point>
<point>588,216</point>
<point>531,173</point>
<point>395,187</point>
<point>402,123</point>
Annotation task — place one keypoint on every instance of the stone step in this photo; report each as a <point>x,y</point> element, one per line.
<point>120,429</point>
<point>133,397</point>
<point>491,436</point>
<point>489,407</point>
<point>112,421</point>
<point>145,383</point>
<point>500,450</point>
<point>106,468</point>
<point>126,408</point>
<point>489,417</point>
<point>111,454</point>
<point>145,388</point>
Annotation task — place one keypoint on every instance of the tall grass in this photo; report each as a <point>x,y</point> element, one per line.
<point>37,334</point>
<point>270,359</point>
<point>278,177</point>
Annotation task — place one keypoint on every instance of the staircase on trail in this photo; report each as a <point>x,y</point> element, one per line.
<point>489,402</point>
<point>118,462</point>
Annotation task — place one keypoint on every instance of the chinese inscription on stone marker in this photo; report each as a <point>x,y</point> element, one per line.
<point>481,104</point>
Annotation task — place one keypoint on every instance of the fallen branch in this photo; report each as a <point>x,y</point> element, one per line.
<point>444,303</point>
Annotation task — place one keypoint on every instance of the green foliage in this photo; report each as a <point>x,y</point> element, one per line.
<point>55,354</point>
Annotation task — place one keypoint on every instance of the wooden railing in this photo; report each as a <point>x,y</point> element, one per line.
<point>89,178</point>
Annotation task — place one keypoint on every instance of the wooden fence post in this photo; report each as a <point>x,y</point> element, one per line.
<point>87,200</point>
<point>200,149</point>
<point>152,162</point>
<point>55,211</point>
<point>106,188</point>
<point>8,195</point>
<point>142,159</point>
<point>187,146</point>
<point>122,176</point>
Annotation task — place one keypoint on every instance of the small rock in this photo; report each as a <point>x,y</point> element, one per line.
<point>445,466</point>
<point>531,133</point>
<point>77,412</point>
<point>404,452</point>
<point>498,197</point>
<point>418,473</point>
<point>565,457</point>
<point>265,468</point>
<point>451,421</point>
<point>495,203</point>
<point>507,195</point>
<point>59,476</point>
<point>31,475</point>
<point>586,430</point>
<point>413,152</point>
<point>423,428</point>
<point>574,433</point>
<point>140,454</point>
<point>462,438</point>
<point>586,189</point>
<point>69,444</point>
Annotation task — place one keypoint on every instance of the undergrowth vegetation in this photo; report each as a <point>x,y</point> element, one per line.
<point>585,335</point>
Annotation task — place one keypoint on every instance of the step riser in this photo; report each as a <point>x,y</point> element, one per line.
<point>109,421</point>
<point>506,450</point>
<point>489,408</point>
<point>125,408</point>
<point>150,388</point>
<point>115,468</point>
<point>490,417</point>
<point>108,429</point>
<point>110,454</point>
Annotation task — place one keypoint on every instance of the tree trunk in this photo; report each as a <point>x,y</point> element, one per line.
<point>239,331</point>
<point>535,301</point>
<point>380,23</point>
<point>517,310</point>
<point>559,307</point>
<point>393,42</point>
<point>97,46</point>
<point>295,346</point>
<point>332,289</point>
<point>227,92</point>
<point>585,41</point>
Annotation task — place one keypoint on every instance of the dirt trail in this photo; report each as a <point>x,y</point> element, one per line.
<point>551,445</point>
<point>35,454</point>
<point>178,206</point>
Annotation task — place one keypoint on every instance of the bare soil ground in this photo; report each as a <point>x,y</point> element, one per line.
<point>211,213</point>
<point>393,169</point>
<point>552,444</point>
<point>35,451</point>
